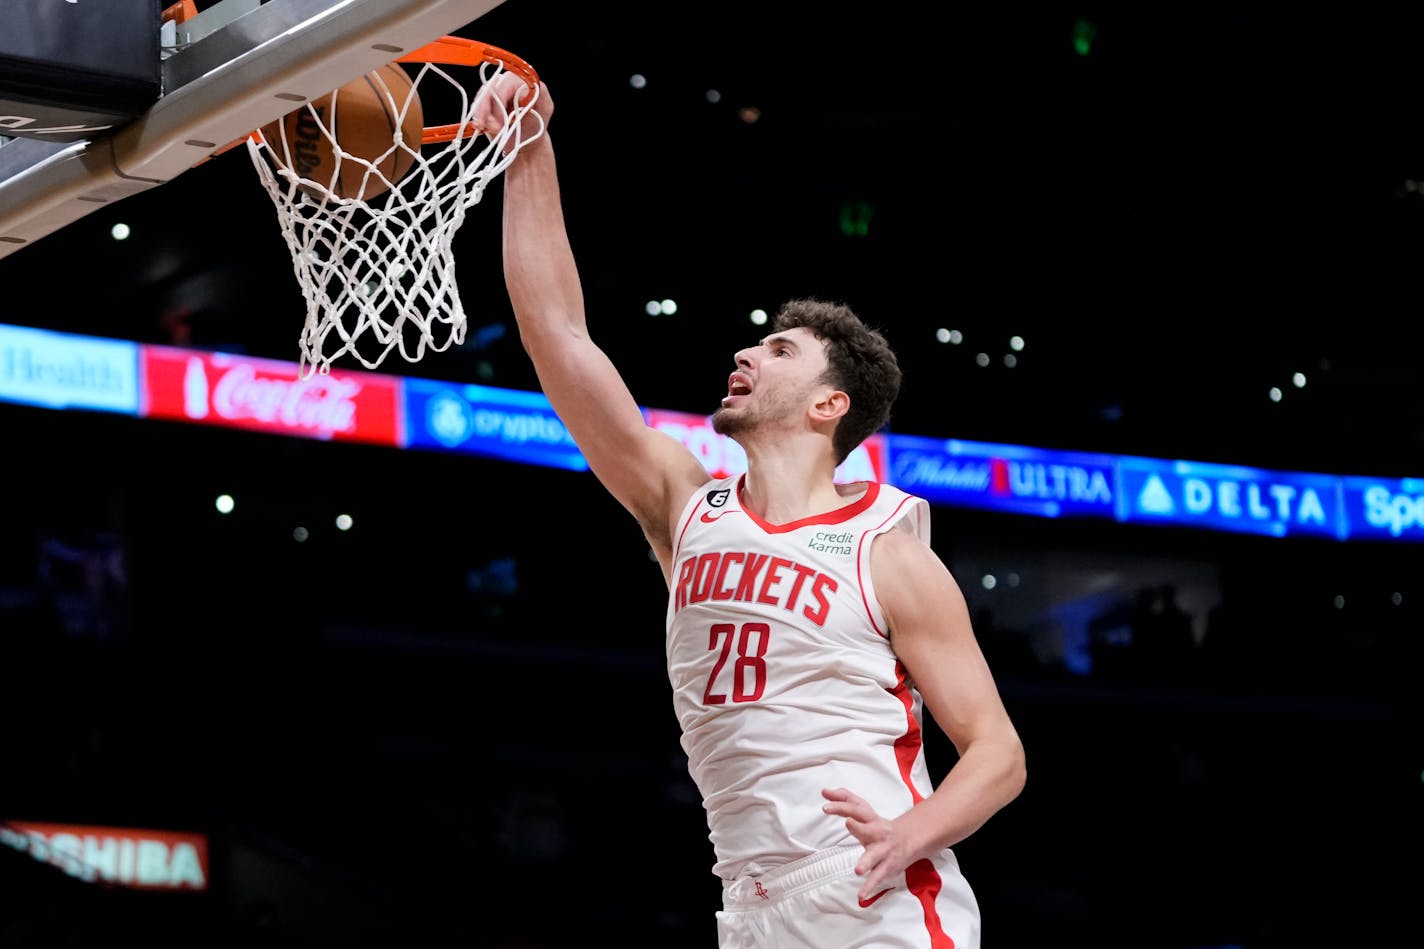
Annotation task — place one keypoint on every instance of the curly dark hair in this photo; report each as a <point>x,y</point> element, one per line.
<point>860,363</point>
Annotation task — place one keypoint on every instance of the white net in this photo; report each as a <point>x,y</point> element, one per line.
<point>378,273</point>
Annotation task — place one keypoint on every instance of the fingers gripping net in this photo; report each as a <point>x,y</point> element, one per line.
<point>378,272</point>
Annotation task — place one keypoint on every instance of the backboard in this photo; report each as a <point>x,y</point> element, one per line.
<point>236,66</point>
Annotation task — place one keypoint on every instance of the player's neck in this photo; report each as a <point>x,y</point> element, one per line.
<point>786,483</point>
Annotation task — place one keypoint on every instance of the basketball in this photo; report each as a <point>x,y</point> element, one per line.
<point>364,124</point>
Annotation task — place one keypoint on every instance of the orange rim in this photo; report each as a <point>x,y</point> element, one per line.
<point>457,51</point>
<point>450,51</point>
<point>180,12</point>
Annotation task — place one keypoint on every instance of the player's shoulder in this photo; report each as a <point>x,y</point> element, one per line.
<point>711,491</point>
<point>898,508</point>
<point>887,492</point>
<point>719,489</point>
<point>900,542</point>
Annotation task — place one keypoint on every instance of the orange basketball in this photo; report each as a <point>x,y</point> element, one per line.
<point>364,125</point>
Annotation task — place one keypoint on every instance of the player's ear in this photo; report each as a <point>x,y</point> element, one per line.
<point>831,405</point>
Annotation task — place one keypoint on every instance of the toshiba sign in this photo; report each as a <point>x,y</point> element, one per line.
<point>269,395</point>
<point>142,859</point>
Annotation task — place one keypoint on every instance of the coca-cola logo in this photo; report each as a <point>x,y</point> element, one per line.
<point>323,403</point>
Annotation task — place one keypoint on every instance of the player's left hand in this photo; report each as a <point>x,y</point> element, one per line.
<point>888,851</point>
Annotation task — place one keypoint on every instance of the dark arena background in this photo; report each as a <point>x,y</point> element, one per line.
<point>1178,241</point>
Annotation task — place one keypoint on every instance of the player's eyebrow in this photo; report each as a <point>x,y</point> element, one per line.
<point>781,339</point>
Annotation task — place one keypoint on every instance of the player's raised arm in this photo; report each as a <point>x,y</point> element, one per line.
<point>649,473</point>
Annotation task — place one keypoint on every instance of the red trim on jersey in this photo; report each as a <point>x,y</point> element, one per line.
<point>691,516</point>
<point>872,491</point>
<point>860,576</point>
<point>907,746</point>
<point>924,881</point>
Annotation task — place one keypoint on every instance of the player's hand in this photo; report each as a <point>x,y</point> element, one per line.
<point>887,852</point>
<point>495,102</point>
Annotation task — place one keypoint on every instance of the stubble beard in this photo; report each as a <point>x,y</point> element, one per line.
<point>730,423</point>
<point>769,412</point>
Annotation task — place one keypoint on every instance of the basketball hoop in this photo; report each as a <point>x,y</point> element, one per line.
<point>378,271</point>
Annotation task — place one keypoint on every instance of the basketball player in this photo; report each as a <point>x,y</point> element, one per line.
<point>809,623</point>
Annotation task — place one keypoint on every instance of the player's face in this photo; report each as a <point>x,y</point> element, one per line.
<point>775,382</point>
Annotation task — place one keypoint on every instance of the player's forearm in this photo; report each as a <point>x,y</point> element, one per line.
<point>988,775</point>
<point>539,269</point>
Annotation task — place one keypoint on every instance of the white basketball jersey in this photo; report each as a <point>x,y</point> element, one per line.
<point>783,678</point>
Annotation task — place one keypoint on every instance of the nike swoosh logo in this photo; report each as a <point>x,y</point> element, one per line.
<point>707,517</point>
<point>865,903</point>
